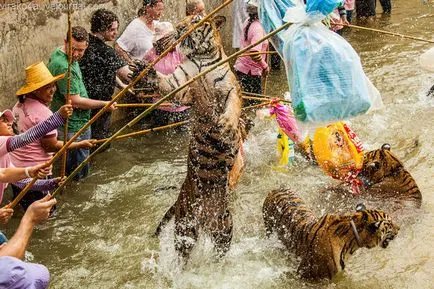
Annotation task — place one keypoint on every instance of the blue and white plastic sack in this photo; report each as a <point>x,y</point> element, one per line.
<point>271,13</point>
<point>325,74</point>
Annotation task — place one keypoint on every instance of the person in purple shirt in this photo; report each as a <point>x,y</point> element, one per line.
<point>15,273</point>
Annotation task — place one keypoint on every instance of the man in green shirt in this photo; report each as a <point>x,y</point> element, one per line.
<point>82,104</point>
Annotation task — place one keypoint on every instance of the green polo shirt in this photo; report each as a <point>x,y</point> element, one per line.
<point>58,64</point>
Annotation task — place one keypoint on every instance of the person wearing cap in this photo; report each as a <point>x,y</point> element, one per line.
<point>32,108</point>
<point>250,69</point>
<point>15,273</point>
<point>163,38</point>
<point>136,39</point>
<point>195,7</point>
<point>100,65</point>
<point>58,64</point>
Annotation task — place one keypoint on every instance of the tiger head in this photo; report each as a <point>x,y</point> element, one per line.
<point>202,41</point>
<point>378,164</point>
<point>373,227</point>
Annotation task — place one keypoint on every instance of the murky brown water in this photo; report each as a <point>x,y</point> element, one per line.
<point>102,237</point>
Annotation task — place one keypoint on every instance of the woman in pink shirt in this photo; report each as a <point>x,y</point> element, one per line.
<point>31,109</point>
<point>250,69</point>
<point>163,38</point>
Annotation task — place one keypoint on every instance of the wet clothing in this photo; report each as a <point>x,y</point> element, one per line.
<point>58,64</point>
<point>27,115</point>
<point>10,143</point>
<point>248,71</point>
<point>99,66</point>
<point>16,274</point>
<point>136,39</point>
<point>245,64</point>
<point>76,156</point>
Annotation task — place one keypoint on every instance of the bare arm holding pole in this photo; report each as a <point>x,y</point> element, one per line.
<point>142,74</point>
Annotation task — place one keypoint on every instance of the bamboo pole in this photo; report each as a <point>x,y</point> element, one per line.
<point>257,94</point>
<point>257,53</point>
<point>385,32</point>
<point>258,105</point>
<point>163,99</point>
<point>264,87</point>
<point>127,105</point>
<point>256,98</point>
<point>68,89</point>
<point>145,131</point>
<point>144,72</point>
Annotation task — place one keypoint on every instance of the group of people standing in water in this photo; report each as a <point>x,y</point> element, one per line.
<point>33,130</point>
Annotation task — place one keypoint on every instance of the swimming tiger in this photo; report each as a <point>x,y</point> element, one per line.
<point>202,203</point>
<point>324,244</point>
<point>383,176</point>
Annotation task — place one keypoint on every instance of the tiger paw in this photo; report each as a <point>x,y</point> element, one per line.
<point>228,124</point>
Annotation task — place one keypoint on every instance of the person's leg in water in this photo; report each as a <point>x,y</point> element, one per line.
<point>387,6</point>
<point>77,156</point>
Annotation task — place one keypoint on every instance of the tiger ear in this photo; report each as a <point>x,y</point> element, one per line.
<point>360,207</point>
<point>385,146</point>
<point>374,227</point>
<point>219,20</point>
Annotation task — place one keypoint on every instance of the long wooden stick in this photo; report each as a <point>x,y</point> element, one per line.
<point>256,98</point>
<point>165,98</point>
<point>126,105</point>
<point>145,131</point>
<point>257,105</point>
<point>385,32</point>
<point>68,88</point>
<point>142,74</point>
<point>265,82</point>
<point>258,53</point>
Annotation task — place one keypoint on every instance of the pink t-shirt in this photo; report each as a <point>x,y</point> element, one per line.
<point>245,64</point>
<point>166,65</point>
<point>5,161</point>
<point>27,115</point>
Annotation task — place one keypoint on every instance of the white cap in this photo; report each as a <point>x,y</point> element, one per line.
<point>162,29</point>
<point>252,2</point>
<point>8,114</point>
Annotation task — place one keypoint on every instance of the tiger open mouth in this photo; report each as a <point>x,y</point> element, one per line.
<point>387,240</point>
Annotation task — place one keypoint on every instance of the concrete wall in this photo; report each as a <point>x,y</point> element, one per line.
<point>30,30</point>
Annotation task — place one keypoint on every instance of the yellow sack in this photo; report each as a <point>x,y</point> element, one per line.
<point>338,151</point>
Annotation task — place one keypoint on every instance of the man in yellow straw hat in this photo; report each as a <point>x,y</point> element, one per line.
<point>58,64</point>
<point>32,108</point>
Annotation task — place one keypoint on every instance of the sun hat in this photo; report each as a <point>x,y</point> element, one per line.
<point>16,274</point>
<point>162,29</point>
<point>8,114</point>
<point>37,76</point>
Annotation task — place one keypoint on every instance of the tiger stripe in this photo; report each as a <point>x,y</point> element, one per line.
<point>323,243</point>
<point>202,204</point>
<point>384,177</point>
